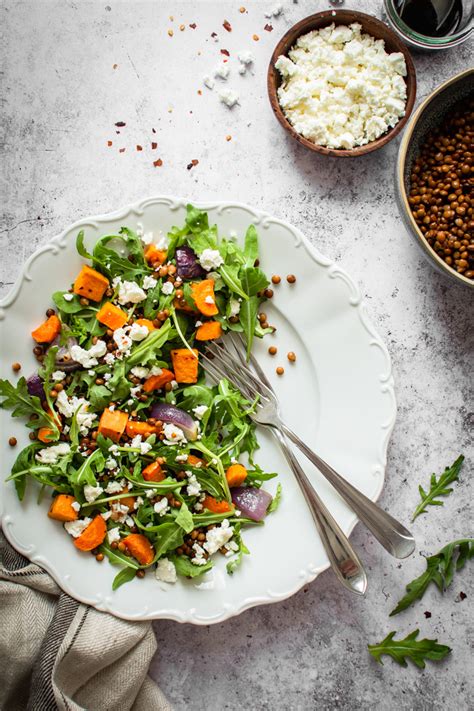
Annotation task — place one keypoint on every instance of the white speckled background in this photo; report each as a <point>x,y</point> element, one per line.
<point>61,99</point>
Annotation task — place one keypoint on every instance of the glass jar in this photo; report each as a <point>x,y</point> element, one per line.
<point>415,40</point>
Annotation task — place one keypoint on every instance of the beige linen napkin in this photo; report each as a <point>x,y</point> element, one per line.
<point>56,653</point>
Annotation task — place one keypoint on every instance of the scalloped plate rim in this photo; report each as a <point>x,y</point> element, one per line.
<point>355,300</point>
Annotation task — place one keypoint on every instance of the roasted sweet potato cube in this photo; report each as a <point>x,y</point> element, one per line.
<point>91,284</point>
<point>209,331</point>
<point>48,330</point>
<point>185,365</point>
<point>113,423</point>
<point>111,316</point>
<point>61,508</point>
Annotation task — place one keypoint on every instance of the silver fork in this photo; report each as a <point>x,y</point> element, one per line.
<point>343,559</point>
<point>392,535</point>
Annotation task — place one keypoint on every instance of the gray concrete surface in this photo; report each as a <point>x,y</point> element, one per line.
<point>61,98</point>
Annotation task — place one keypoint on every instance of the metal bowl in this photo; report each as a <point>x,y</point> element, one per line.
<point>428,116</point>
<point>371,26</point>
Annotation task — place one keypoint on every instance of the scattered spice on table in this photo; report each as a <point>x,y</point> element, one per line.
<point>114,66</point>
<point>227,26</point>
<point>158,163</point>
<point>170,33</point>
<point>228,138</point>
<point>193,25</point>
<point>109,143</point>
<point>268,27</point>
<point>182,28</point>
<point>139,148</point>
<point>154,145</point>
<point>427,614</point>
<point>225,51</point>
<point>120,124</point>
<point>242,9</point>
<point>255,38</point>
<point>121,150</point>
<point>193,163</point>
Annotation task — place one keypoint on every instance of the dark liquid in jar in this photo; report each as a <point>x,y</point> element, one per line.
<point>433,18</point>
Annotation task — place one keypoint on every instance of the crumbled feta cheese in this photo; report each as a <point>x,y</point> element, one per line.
<point>50,455</point>
<point>200,411</point>
<point>151,493</point>
<point>138,332</point>
<point>208,82</point>
<point>161,507</point>
<point>75,528</point>
<point>173,434</point>
<point>198,506</point>
<point>106,515</point>
<point>119,512</point>
<point>140,372</point>
<point>129,292</point>
<point>76,405</point>
<point>88,358</point>
<point>113,535</point>
<point>129,522</point>
<point>114,448</point>
<point>218,536</point>
<point>67,296</point>
<point>58,375</point>
<point>137,443</point>
<point>194,487</point>
<point>135,391</point>
<point>234,306</point>
<point>340,87</point>
<point>182,458</point>
<point>167,288</point>
<point>166,571</point>
<point>91,493</point>
<point>210,259</point>
<point>197,324</point>
<point>156,370</point>
<point>246,57</point>
<point>76,506</point>
<point>209,300</point>
<point>138,502</point>
<point>222,70</point>
<point>199,557</point>
<point>149,282</point>
<point>232,546</point>
<point>229,97</point>
<point>122,339</point>
<point>113,487</point>
<point>107,376</point>
<point>109,359</point>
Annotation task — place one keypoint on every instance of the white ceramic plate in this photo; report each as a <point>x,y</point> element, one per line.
<point>338,395</point>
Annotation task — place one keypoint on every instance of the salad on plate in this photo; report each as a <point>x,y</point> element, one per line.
<point>147,464</point>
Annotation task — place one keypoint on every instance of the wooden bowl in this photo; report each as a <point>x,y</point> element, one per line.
<point>371,26</point>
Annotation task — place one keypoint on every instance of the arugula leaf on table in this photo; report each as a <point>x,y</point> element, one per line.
<point>438,487</point>
<point>275,502</point>
<point>22,404</point>
<point>185,567</point>
<point>417,650</point>
<point>440,569</point>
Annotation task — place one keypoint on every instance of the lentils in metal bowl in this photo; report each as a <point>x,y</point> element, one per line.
<point>441,195</point>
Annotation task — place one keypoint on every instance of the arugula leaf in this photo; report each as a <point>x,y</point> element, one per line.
<point>438,487</point>
<point>185,567</point>
<point>253,280</point>
<point>85,474</point>
<point>73,306</point>
<point>125,576</point>
<point>440,569</point>
<point>417,650</point>
<point>275,502</point>
<point>248,319</point>
<point>80,246</point>
<point>24,461</point>
<point>99,396</point>
<point>22,404</point>
<point>148,348</point>
<point>184,519</point>
<point>230,276</point>
<point>196,220</point>
<point>118,383</point>
<point>251,246</point>
<point>233,564</point>
<point>169,536</point>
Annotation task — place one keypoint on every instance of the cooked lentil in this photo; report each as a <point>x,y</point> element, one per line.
<point>12,441</point>
<point>291,278</point>
<point>442,188</point>
<point>16,367</point>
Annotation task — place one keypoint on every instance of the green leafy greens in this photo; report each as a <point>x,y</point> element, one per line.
<point>438,487</point>
<point>416,650</point>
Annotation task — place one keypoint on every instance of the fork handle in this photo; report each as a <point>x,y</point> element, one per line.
<point>343,559</point>
<point>394,537</point>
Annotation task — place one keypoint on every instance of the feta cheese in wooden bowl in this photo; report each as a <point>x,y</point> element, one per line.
<point>341,83</point>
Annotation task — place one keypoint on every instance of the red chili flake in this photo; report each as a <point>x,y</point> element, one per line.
<point>114,66</point>
<point>213,34</point>
<point>199,92</point>
<point>120,124</point>
<point>427,614</point>
<point>154,146</point>
<point>117,132</point>
<point>195,162</point>
<point>109,143</point>
<point>193,25</point>
<point>192,164</point>
<point>121,150</point>
<point>268,28</point>
<point>139,148</point>
<point>227,26</point>
<point>224,51</point>
<point>158,163</point>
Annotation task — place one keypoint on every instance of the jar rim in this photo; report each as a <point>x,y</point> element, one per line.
<point>425,40</point>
